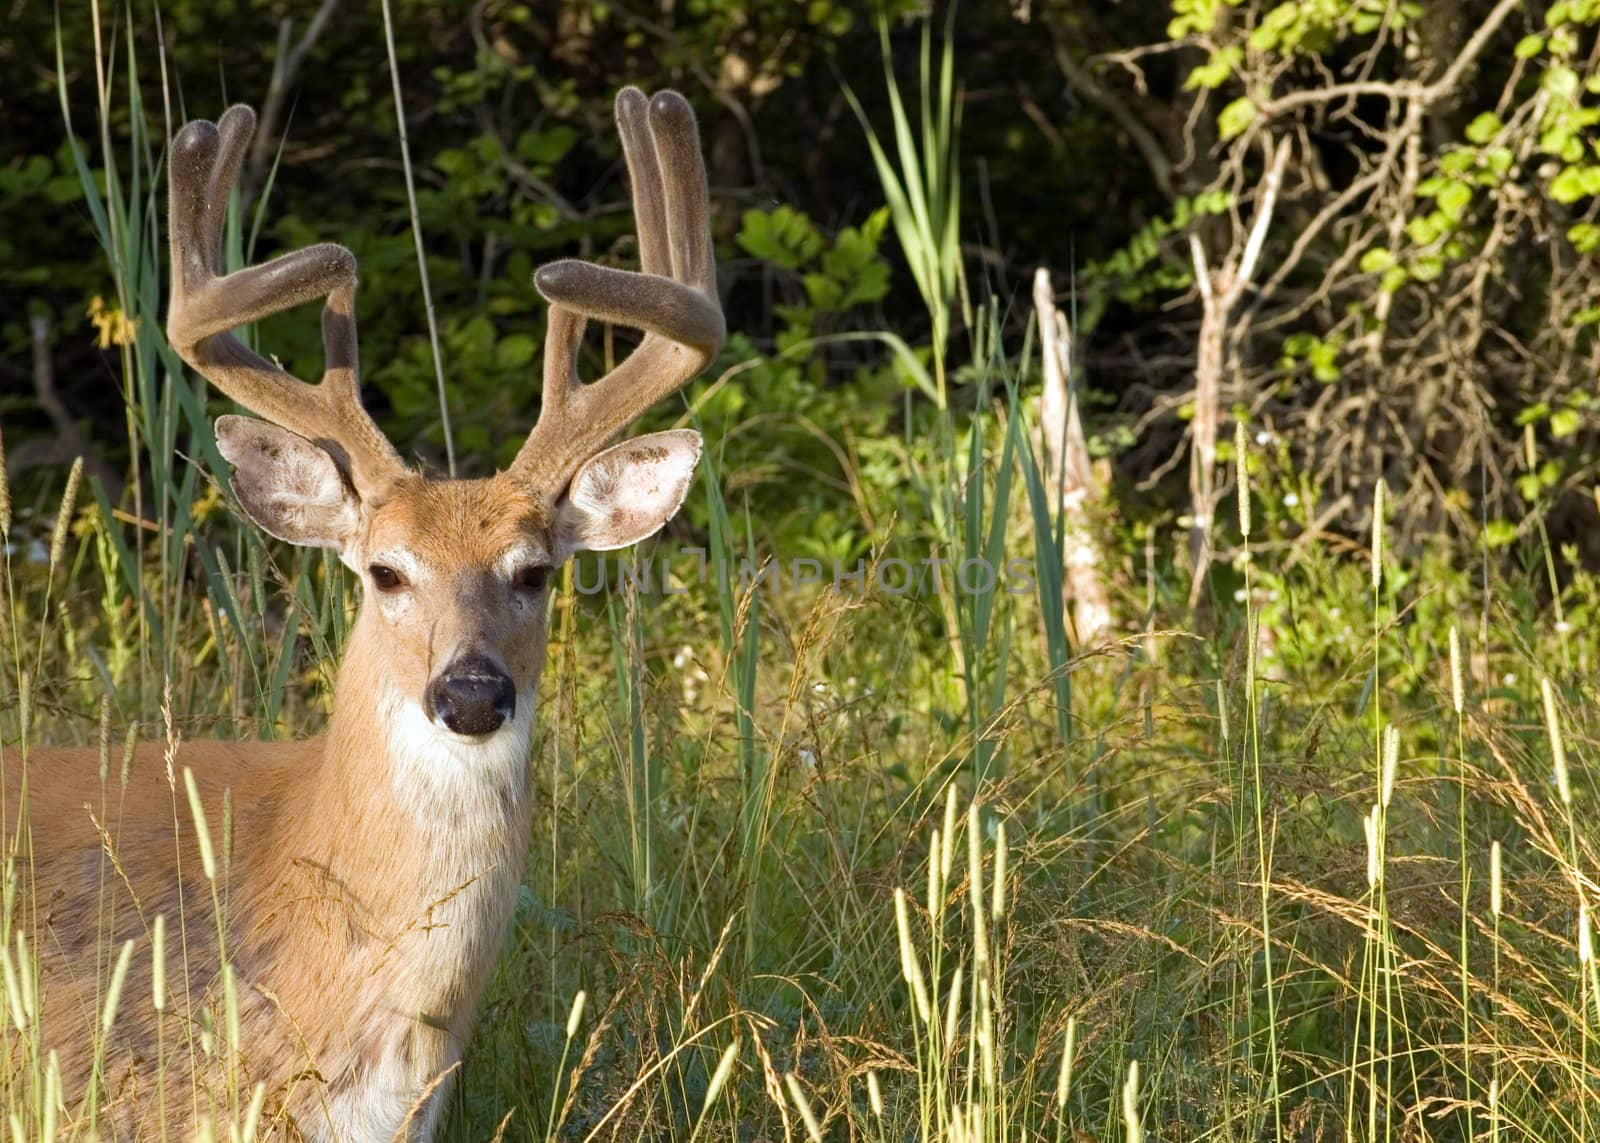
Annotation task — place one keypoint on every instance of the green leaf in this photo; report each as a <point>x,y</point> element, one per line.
<point>1568,186</point>
<point>1560,81</point>
<point>1216,70</point>
<point>824,292</point>
<point>1235,117</point>
<point>1528,47</point>
<point>1189,16</point>
<point>1423,229</point>
<point>514,351</point>
<point>1584,236</point>
<point>1376,259</point>
<point>1324,360</point>
<point>784,237</point>
<point>1499,533</point>
<point>548,147</point>
<point>1453,199</point>
<point>1485,127</point>
<point>1427,269</point>
<point>1565,422</point>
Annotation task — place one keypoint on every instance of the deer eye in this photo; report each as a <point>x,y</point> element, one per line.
<point>385,578</point>
<point>530,577</point>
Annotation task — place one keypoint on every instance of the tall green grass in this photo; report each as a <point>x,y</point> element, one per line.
<point>838,864</point>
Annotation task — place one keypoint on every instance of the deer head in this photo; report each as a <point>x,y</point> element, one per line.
<point>454,571</point>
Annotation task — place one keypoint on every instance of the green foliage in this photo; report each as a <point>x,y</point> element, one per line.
<point>921,181</point>
<point>1145,267</point>
<point>1190,17</point>
<point>784,237</point>
<point>1233,119</point>
<point>1320,354</point>
<point>838,277</point>
<point>1310,27</point>
<point>1216,70</point>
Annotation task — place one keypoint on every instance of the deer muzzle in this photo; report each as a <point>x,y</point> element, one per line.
<point>473,696</point>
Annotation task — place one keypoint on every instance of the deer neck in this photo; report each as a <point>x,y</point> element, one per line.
<point>405,786</point>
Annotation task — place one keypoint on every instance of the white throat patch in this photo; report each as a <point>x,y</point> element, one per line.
<point>450,780</point>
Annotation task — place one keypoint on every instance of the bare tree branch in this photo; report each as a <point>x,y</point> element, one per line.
<point>1144,139</point>
<point>1070,473</point>
<point>68,443</point>
<point>285,70</point>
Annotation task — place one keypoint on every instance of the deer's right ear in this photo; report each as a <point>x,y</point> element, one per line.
<point>291,488</point>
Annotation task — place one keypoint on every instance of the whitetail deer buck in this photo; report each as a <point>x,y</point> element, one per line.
<point>374,868</point>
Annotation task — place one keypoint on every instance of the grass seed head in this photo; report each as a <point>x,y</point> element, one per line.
<point>803,1105</point>
<point>26,975</point>
<point>252,1115</point>
<point>230,1007</point>
<point>1558,746</point>
<point>208,858</point>
<point>1069,1047</point>
<point>1377,535</point>
<point>1133,1129</point>
<point>902,923</point>
<point>1242,462</point>
<point>1391,762</point>
<point>952,1008</point>
<point>1496,880</point>
<point>158,967</point>
<point>129,741</point>
<point>719,1078</point>
<point>1369,825</point>
<point>69,504</point>
<point>119,976</point>
<point>575,1017</point>
<point>13,987</point>
<point>975,864</point>
<point>1458,690</point>
<point>52,1097</point>
<point>105,738</point>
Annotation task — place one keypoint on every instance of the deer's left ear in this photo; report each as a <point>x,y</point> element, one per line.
<point>290,487</point>
<point>626,493</point>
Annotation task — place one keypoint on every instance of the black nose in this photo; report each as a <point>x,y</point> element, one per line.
<point>472,696</point>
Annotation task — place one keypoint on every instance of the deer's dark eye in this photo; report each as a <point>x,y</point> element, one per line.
<point>531,578</point>
<point>385,578</point>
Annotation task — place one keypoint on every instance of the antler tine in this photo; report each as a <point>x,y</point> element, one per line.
<point>205,306</point>
<point>673,299</point>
